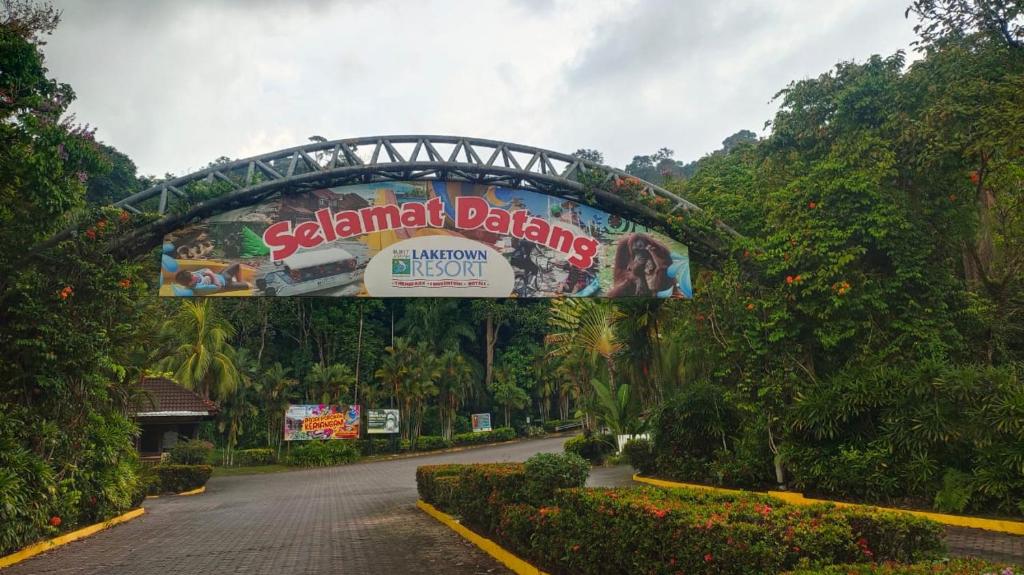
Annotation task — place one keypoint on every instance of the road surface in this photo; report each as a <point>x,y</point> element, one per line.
<point>359,519</point>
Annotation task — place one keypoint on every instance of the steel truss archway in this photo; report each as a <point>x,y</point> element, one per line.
<point>229,185</point>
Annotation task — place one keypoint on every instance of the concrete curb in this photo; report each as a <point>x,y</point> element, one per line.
<point>505,557</point>
<point>998,525</point>
<point>43,546</point>
<point>183,493</point>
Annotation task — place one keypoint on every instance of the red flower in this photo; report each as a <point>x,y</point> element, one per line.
<point>659,513</point>
<point>55,521</point>
<point>101,224</point>
<point>708,558</point>
<point>90,233</point>
<point>975,177</point>
<point>124,217</point>
<point>746,253</point>
<point>125,283</point>
<point>812,205</point>
<point>750,307</point>
<point>789,279</point>
<point>66,292</point>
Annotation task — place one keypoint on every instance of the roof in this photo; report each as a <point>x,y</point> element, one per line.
<point>164,398</point>
<point>317,258</point>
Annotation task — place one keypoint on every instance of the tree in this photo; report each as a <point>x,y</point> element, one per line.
<point>330,384</point>
<point>955,19</point>
<point>198,352</point>
<point>589,155</point>
<point>455,385</point>
<point>507,393</point>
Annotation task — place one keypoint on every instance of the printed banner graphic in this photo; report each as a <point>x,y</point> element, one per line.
<point>481,421</point>
<point>304,422</point>
<point>422,239</point>
<point>382,421</point>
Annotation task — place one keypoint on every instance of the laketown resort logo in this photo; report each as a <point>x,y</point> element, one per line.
<point>400,263</point>
<point>438,268</point>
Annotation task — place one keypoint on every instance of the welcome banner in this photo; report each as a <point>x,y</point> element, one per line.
<point>422,239</point>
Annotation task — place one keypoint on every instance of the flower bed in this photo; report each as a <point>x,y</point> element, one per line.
<point>645,530</point>
<point>173,478</point>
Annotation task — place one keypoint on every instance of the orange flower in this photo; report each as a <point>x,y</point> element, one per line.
<point>952,197</point>
<point>90,233</point>
<point>101,224</point>
<point>125,283</point>
<point>812,205</point>
<point>66,292</point>
<point>975,177</point>
<point>55,521</point>
<point>789,280</point>
<point>797,278</point>
<point>124,216</point>
<point>750,306</point>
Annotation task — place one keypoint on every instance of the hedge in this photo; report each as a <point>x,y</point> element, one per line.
<point>191,452</point>
<point>592,447</point>
<point>324,453</point>
<point>647,530</point>
<point>476,438</point>
<point>256,456</point>
<point>174,478</point>
<point>971,566</point>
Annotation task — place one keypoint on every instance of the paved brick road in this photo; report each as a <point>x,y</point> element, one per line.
<point>358,519</point>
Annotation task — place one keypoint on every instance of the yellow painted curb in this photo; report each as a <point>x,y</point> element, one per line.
<point>194,491</point>
<point>42,546</point>
<point>1000,525</point>
<point>506,558</point>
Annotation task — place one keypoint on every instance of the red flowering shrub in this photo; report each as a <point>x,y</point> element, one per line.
<point>647,530</point>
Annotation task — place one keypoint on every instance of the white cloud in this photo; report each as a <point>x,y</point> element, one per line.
<point>176,84</point>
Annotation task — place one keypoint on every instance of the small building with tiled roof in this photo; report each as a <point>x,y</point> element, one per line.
<point>167,412</point>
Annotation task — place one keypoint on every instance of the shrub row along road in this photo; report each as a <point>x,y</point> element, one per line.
<point>357,518</point>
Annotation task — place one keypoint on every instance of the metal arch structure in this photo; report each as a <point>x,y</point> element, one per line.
<point>230,185</point>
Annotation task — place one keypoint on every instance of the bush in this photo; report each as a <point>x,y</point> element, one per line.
<point>175,478</point>
<point>257,456</point>
<point>595,531</point>
<point>430,442</point>
<point>324,453</point>
<point>481,437</point>
<point>640,453</point>
<point>952,567</point>
<point>546,472</point>
<point>376,446</point>
<point>592,447</point>
<point>191,452</point>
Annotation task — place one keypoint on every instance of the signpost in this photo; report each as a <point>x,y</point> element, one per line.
<point>481,422</point>
<point>306,422</point>
<point>382,421</point>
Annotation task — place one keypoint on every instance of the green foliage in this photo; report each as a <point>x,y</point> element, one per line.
<point>480,437</point>
<point>256,456</point>
<point>957,566</point>
<point>644,530</point>
<point>640,454</point>
<point>547,472</point>
<point>174,478</point>
<point>935,432</point>
<point>324,453</point>
<point>192,452</point>
<point>592,447</point>
<point>429,442</point>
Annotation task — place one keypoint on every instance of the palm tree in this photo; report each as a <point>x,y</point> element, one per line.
<point>329,384</point>
<point>588,325</point>
<point>506,393</point>
<point>583,334</point>
<point>394,373</point>
<point>454,386</point>
<point>274,385</point>
<point>200,356</point>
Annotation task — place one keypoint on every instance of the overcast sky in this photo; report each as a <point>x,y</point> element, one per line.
<point>177,83</point>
